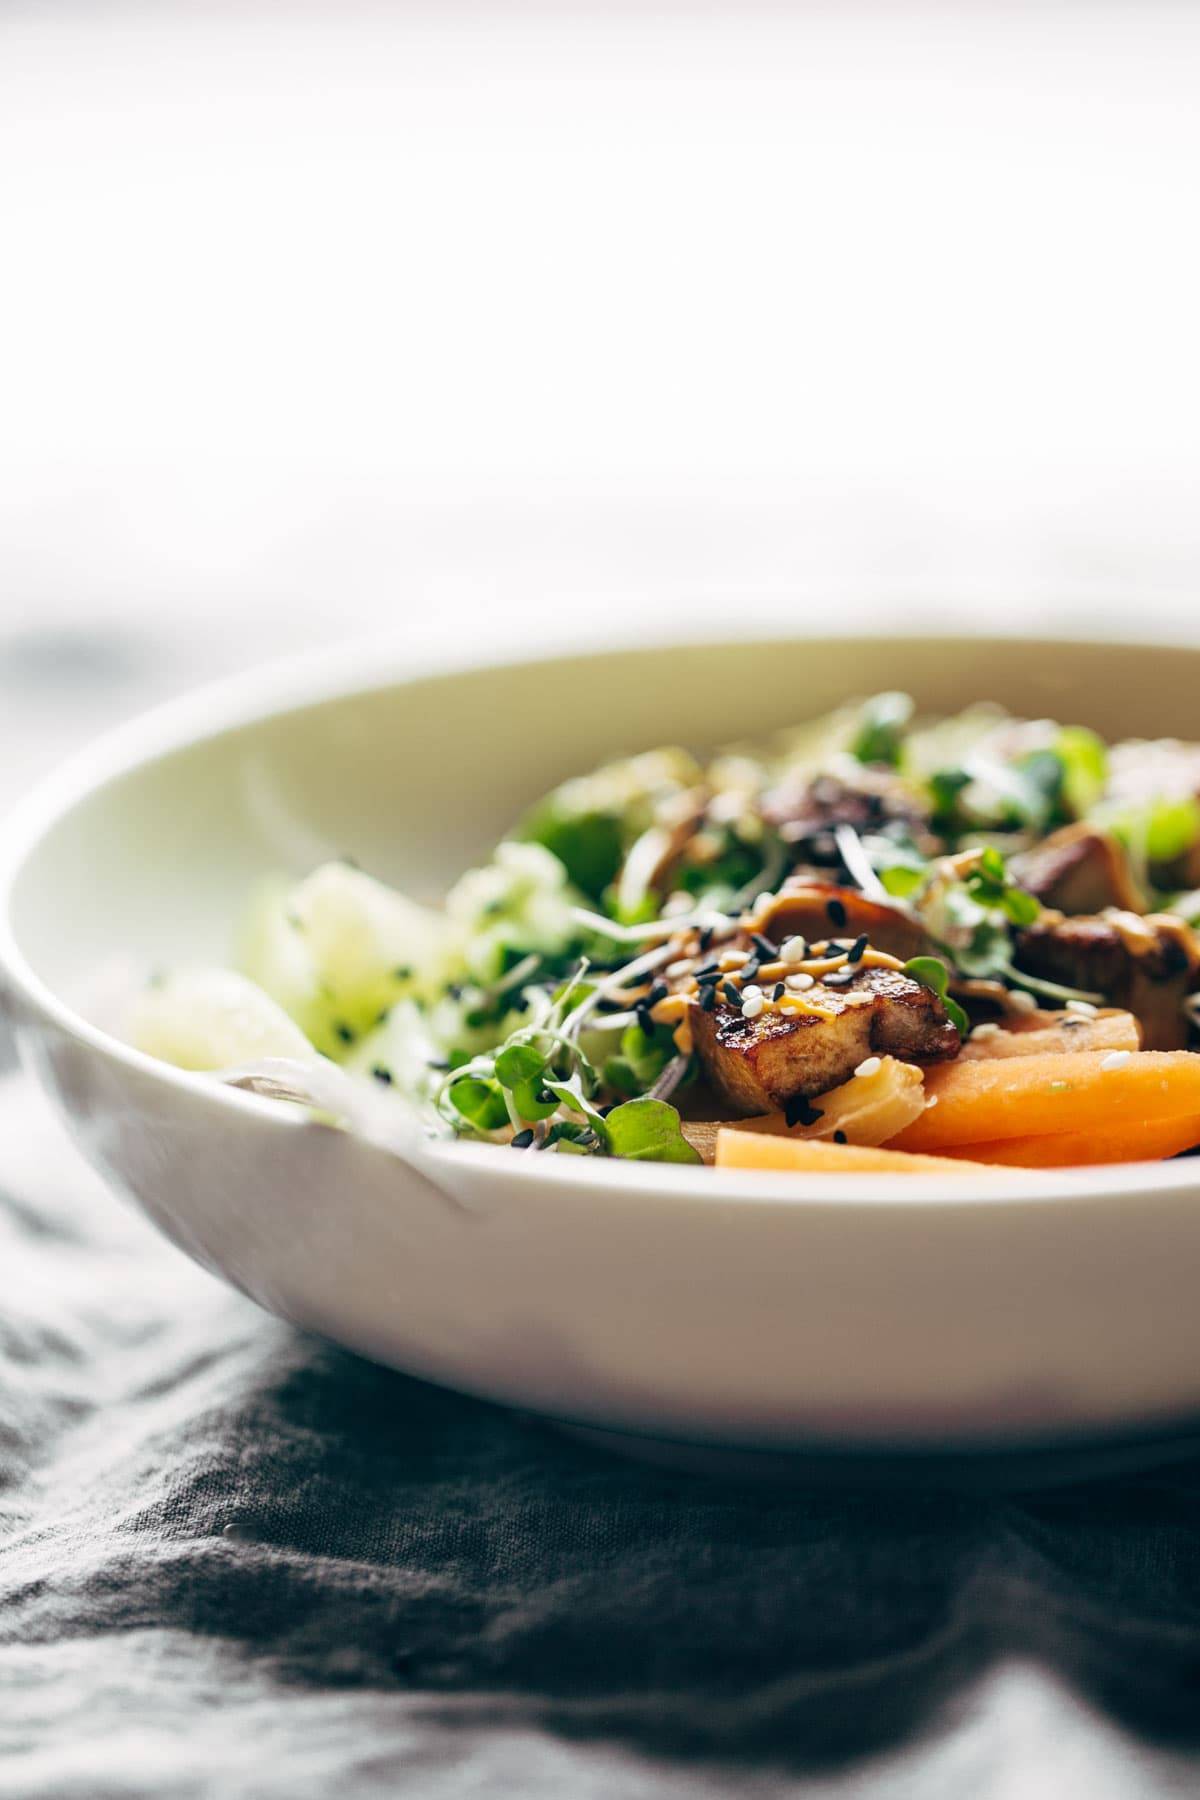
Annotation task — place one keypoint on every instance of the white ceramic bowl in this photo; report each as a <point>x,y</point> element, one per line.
<point>711,1307</point>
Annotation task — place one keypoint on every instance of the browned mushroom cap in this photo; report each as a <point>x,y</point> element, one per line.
<point>1079,869</point>
<point>1147,966</point>
<point>819,909</point>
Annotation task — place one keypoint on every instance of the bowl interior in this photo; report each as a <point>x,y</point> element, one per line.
<point>416,778</point>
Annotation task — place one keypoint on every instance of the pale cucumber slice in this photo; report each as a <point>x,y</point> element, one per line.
<point>212,1019</point>
<point>340,948</point>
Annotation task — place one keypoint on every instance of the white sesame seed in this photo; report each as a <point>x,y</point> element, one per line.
<point>752,991</point>
<point>676,969</point>
<point>871,1066</point>
<point>794,950</point>
<point>981,1032</point>
<point>1020,1001</point>
<point>753,1006</point>
<point>801,983</point>
<point>1083,1008</point>
<point>1116,1059</point>
<point>932,1101</point>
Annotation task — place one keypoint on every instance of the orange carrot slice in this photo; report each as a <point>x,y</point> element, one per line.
<point>763,1150</point>
<point>1049,1034</point>
<point>1080,1149</point>
<point>1029,1096</point>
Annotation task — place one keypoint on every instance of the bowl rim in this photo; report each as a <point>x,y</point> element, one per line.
<point>377,663</point>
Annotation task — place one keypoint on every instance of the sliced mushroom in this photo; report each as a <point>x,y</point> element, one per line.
<point>1079,869</point>
<point>1146,966</point>
<point>820,909</point>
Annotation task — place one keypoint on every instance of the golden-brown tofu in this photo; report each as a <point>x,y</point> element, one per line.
<point>758,1065</point>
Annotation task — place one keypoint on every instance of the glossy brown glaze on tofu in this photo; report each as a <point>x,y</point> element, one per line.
<point>758,1065</point>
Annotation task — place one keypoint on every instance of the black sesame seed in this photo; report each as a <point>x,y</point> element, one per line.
<point>454,990</point>
<point>778,991</point>
<point>658,992</point>
<point>382,1074</point>
<point>706,938</point>
<point>343,1031</point>
<point>836,912</point>
<point>857,948</point>
<point>749,970</point>
<point>708,999</point>
<point>522,1140</point>
<point>730,993</point>
<point>766,949</point>
<point>798,1111</point>
<point>839,1137</point>
<point>705,969</point>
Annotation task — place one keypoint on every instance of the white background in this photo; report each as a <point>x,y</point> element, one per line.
<point>494,323</point>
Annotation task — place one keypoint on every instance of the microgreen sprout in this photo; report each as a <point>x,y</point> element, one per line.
<point>933,974</point>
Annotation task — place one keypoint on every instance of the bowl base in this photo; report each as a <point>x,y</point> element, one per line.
<point>991,1468</point>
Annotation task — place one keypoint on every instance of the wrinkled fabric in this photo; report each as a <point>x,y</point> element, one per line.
<point>238,1561</point>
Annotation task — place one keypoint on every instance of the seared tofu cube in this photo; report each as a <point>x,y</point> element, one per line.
<point>757,1065</point>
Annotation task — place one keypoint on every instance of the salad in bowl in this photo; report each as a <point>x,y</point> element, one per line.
<point>878,942</point>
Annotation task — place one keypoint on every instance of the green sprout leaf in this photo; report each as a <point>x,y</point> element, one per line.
<point>521,1069</point>
<point>571,1139</point>
<point>480,1102</point>
<point>1084,760</point>
<point>933,974</point>
<point>648,1131</point>
<point>589,845</point>
<point>990,886</point>
<point>945,793</point>
<point>1171,829</point>
<point>901,880</point>
<point>518,1063</point>
<point>881,728</point>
